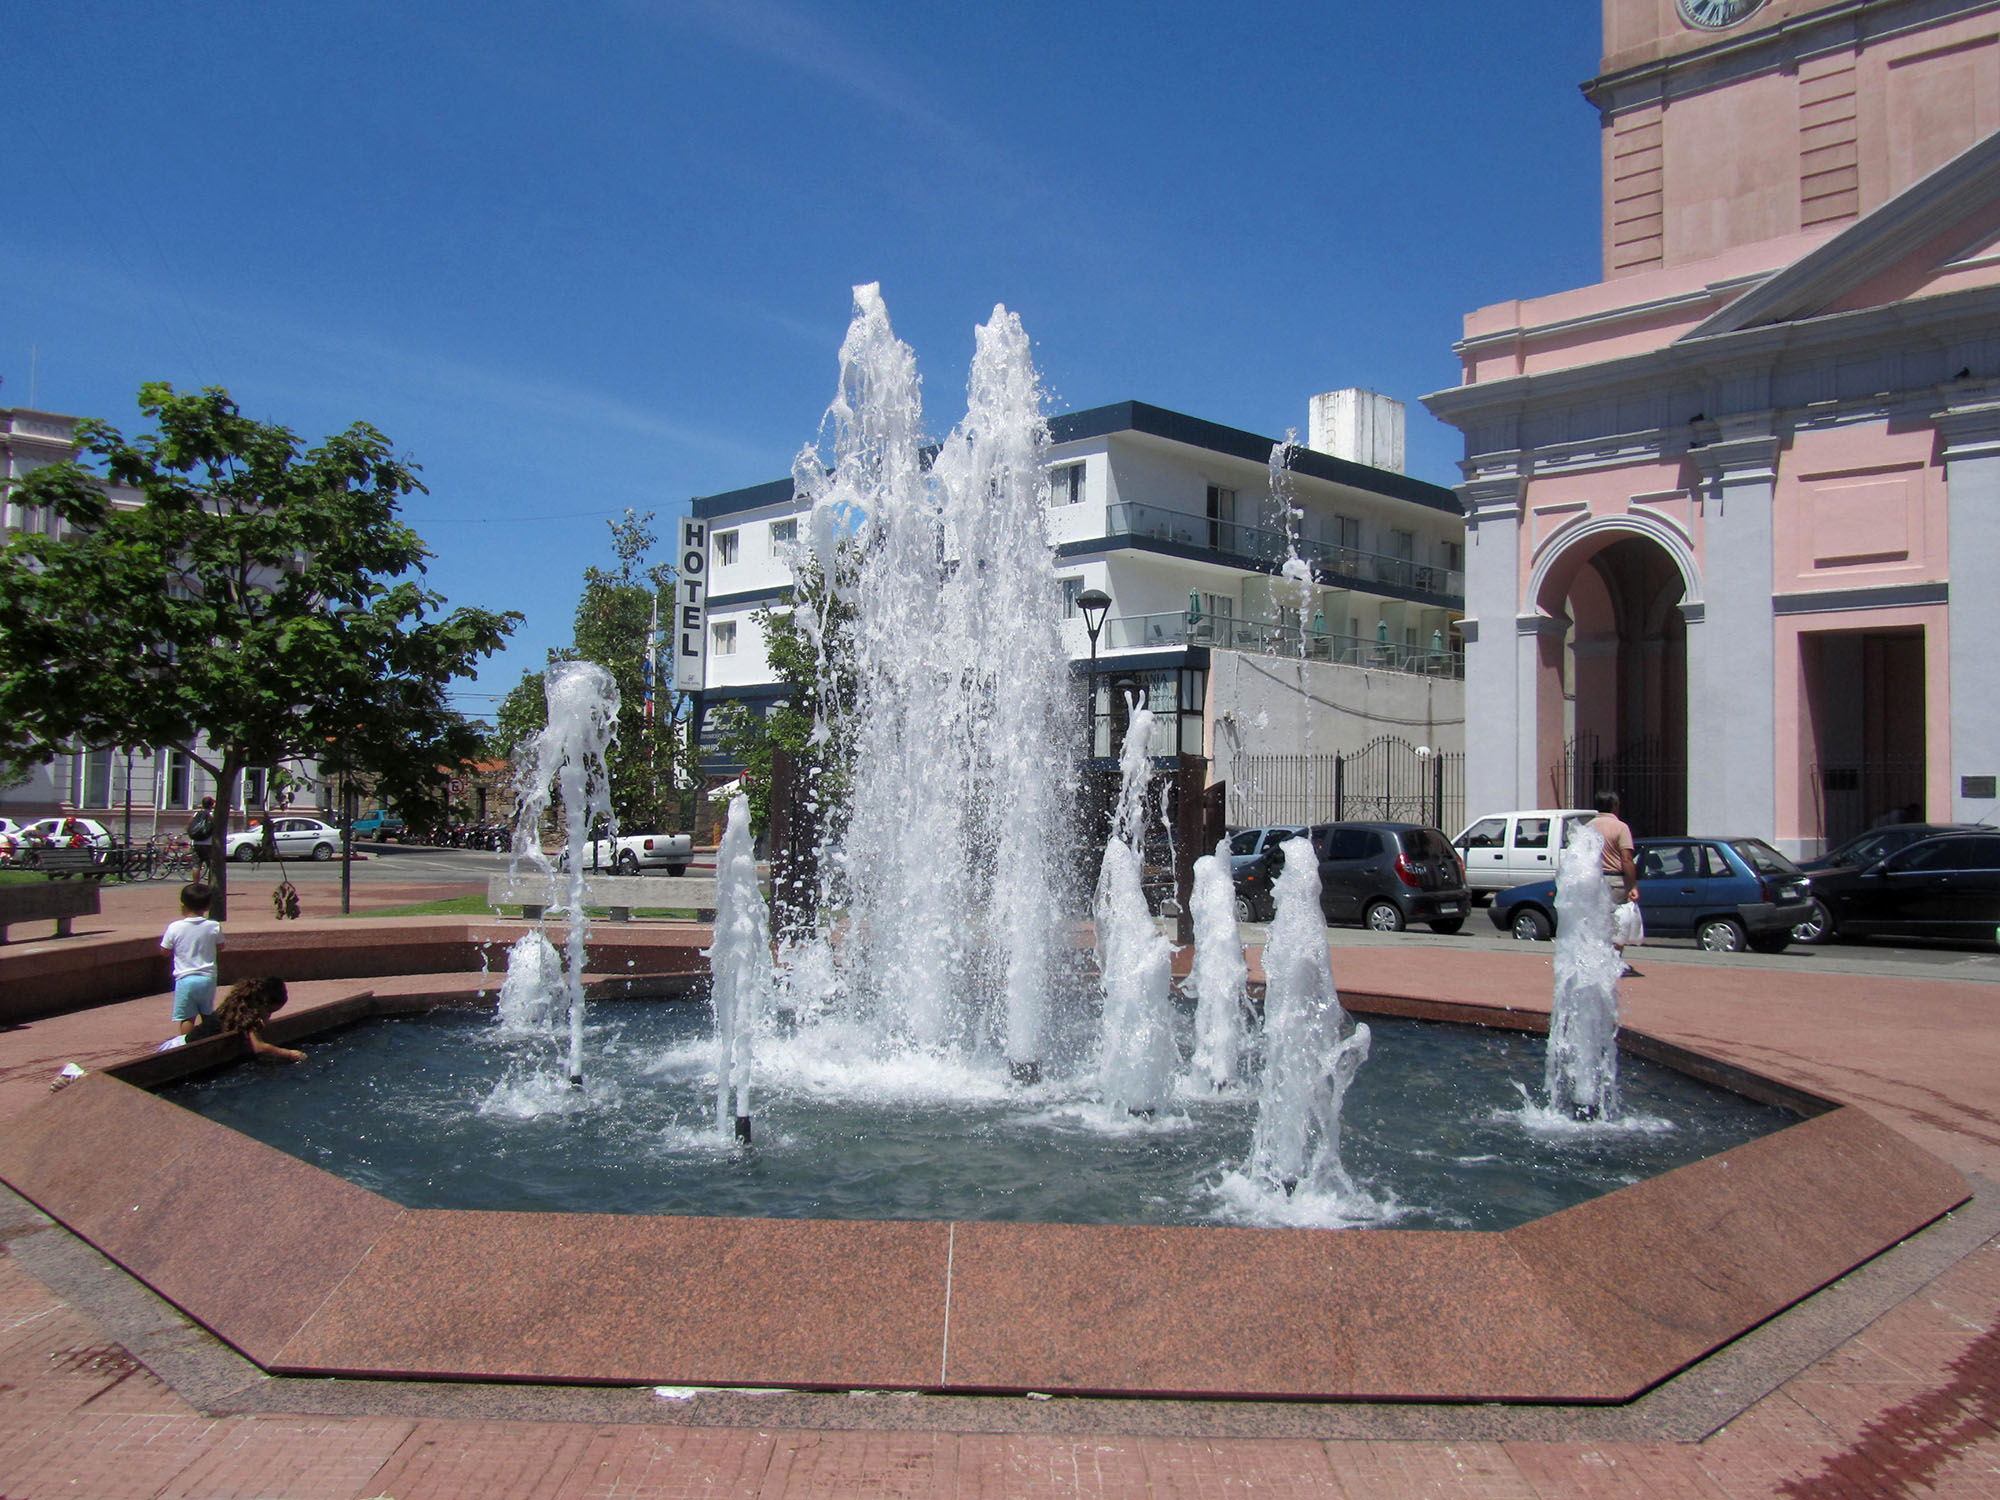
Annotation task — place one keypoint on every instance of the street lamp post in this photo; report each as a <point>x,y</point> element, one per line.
<point>1093,604</point>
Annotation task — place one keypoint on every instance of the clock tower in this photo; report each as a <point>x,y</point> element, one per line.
<point>1732,121</point>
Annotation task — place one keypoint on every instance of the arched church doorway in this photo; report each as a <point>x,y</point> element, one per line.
<point>1613,684</point>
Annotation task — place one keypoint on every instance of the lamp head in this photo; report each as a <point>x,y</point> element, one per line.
<point>1092,604</point>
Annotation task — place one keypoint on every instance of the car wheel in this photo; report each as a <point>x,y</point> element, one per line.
<point>322,850</point>
<point>1721,935</point>
<point>1448,926</point>
<point>1383,916</point>
<point>628,862</point>
<point>1531,926</point>
<point>243,853</point>
<point>677,869</point>
<point>1817,928</point>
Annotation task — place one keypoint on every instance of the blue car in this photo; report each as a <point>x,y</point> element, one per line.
<point>1726,894</point>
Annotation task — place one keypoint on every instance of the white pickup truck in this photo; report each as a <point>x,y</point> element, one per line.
<point>633,853</point>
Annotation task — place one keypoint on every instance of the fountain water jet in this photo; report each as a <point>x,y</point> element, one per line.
<point>567,760</point>
<point>742,977</point>
<point>1137,1057</point>
<point>948,867</point>
<point>1219,975</point>
<point>1308,1063</point>
<point>1581,1073</point>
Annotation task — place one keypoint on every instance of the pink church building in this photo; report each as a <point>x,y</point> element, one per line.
<point>1733,512</point>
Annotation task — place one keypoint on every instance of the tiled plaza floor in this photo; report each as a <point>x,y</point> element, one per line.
<point>1887,1385</point>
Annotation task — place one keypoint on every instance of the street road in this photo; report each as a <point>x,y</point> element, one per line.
<point>406,864</point>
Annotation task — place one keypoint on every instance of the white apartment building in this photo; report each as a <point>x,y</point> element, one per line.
<point>155,789</point>
<point>1174,519</point>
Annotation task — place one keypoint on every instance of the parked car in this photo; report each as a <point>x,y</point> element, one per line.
<point>1381,875</point>
<point>1877,844</point>
<point>54,833</point>
<point>1503,850</point>
<point>379,824</point>
<point>1727,894</point>
<point>1248,845</point>
<point>632,853</point>
<point>1946,886</point>
<point>296,838</point>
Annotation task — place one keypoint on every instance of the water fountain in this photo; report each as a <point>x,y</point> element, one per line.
<point>566,760</point>
<point>1581,1076</point>
<point>1219,976</point>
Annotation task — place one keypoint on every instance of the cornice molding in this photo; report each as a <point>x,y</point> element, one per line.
<point>1969,431</point>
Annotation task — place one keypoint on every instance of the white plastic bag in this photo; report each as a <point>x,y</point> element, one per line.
<point>1628,928</point>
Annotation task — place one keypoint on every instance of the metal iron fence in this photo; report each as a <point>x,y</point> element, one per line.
<point>1388,780</point>
<point>1649,778</point>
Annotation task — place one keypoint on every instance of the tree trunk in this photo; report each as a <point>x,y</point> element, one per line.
<point>218,849</point>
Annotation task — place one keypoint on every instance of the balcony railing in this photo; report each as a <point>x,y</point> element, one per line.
<point>1261,545</point>
<point>1184,628</point>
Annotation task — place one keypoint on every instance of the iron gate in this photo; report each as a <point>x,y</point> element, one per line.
<point>1388,780</point>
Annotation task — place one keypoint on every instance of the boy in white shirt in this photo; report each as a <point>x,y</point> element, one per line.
<point>193,940</point>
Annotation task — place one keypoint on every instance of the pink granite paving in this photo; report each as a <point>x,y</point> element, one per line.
<point>1908,1406</point>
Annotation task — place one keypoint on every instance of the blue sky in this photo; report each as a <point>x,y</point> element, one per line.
<point>582,257</point>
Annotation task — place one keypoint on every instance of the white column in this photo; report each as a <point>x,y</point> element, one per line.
<point>1972,478</point>
<point>1494,775</point>
<point>1732,642</point>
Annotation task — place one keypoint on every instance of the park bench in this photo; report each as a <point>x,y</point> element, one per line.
<point>41,902</point>
<point>82,864</point>
<point>620,893</point>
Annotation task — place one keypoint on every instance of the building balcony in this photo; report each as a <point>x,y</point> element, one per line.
<point>1266,550</point>
<point>1268,638</point>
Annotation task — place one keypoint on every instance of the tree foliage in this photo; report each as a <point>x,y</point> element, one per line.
<point>253,609</point>
<point>615,618</point>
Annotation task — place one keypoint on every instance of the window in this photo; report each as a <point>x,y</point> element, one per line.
<point>175,787</point>
<point>722,638</point>
<point>1222,518</point>
<point>91,785</point>
<point>784,533</point>
<point>1344,532</point>
<point>725,548</point>
<point>1532,833</point>
<point>1487,833</point>
<point>1072,588</point>
<point>255,784</point>
<point>1066,484</point>
<point>1453,554</point>
<point>1218,606</point>
<point>1403,544</point>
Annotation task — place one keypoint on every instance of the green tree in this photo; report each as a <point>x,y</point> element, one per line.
<point>614,624</point>
<point>252,610</point>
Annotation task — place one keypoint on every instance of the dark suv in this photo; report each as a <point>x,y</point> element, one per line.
<point>1381,875</point>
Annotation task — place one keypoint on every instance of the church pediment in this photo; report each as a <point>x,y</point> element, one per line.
<point>1941,234</point>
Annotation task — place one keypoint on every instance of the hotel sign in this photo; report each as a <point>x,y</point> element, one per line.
<point>690,629</point>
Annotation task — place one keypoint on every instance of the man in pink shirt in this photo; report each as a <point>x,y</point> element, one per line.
<point>1621,871</point>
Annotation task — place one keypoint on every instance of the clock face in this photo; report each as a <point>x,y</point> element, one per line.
<point>1713,15</point>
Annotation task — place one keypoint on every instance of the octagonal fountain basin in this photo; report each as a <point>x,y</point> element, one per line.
<point>449,1110</point>
<point>308,1274</point>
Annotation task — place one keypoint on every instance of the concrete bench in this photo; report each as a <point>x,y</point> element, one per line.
<point>619,893</point>
<point>84,864</point>
<point>41,902</point>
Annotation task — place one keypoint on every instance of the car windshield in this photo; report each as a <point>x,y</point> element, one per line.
<point>1244,842</point>
<point>1762,858</point>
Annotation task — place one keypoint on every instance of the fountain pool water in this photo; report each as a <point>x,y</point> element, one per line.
<point>1432,1130</point>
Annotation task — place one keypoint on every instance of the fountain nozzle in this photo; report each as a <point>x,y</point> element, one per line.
<point>1025,1072</point>
<point>743,1129</point>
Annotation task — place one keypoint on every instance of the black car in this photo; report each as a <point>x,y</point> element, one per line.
<point>1942,887</point>
<point>1381,875</point>
<point>1877,844</point>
